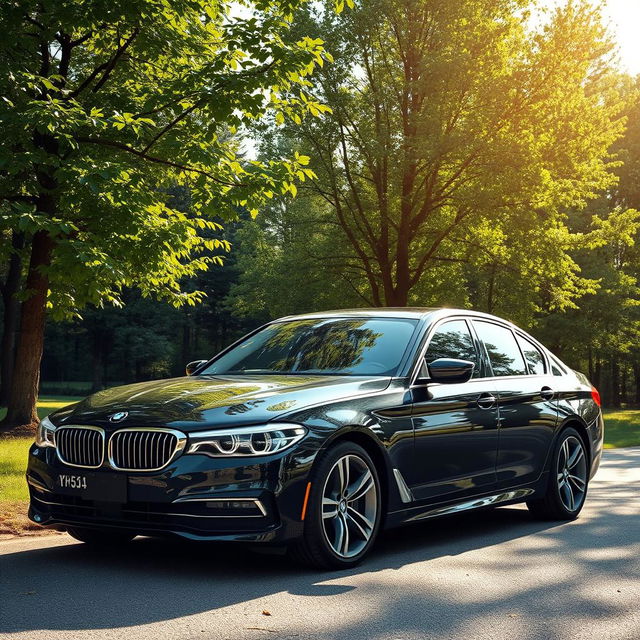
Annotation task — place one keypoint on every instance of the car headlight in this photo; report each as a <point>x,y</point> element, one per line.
<point>45,433</point>
<point>246,441</point>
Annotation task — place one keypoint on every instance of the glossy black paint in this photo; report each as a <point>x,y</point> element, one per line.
<point>452,446</point>
<point>456,440</point>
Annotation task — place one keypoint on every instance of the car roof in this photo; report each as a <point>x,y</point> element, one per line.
<point>393,312</point>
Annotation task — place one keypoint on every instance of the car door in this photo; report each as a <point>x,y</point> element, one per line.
<point>455,425</point>
<point>527,406</point>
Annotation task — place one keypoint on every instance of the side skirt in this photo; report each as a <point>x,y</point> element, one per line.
<point>425,512</point>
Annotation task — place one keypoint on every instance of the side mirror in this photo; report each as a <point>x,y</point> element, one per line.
<point>193,366</point>
<point>449,370</point>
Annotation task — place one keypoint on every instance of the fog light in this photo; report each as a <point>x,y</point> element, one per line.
<point>243,507</point>
<point>231,504</point>
<point>37,517</point>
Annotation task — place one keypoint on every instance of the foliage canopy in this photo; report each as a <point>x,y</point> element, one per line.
<point>462,134</point>
<point>107,103</point>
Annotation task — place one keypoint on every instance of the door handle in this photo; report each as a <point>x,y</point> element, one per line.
<point>547,393</point>
<point>486,401</point>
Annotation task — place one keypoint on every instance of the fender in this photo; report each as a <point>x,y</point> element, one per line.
<point>368,439</point>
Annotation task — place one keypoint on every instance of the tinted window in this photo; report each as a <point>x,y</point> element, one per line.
<point>533,356</point>
<point>335,346</point>
<point>502,349</point>
<point>556,368</point>
<point>453,340</point>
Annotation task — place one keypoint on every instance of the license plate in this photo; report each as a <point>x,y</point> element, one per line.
<point>105,487</point>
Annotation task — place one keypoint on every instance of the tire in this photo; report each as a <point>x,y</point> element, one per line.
<point>101,538</point>
<point>342,540</point>
<point>567,483</point>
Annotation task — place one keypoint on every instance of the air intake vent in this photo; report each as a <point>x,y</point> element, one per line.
<point>80,446</point>
<point>144,449</point>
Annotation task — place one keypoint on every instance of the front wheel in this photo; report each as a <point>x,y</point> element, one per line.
<point>98,537</point>
<point>568,480</point>
<point>343,512</point>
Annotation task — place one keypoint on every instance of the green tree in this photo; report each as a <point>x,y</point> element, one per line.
<point>602,336</point>
<point>290,260</point>
<point>456,127</point>
<point>104,104</point>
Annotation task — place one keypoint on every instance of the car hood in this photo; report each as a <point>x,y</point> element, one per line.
<point>210,402</point>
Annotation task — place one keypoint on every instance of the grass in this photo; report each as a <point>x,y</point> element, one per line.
<point>14,495</point>
<point>47,404</point>
<point>622,429</point>
<point>13,461</point>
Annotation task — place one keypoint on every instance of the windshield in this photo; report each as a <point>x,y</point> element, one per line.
<point>330,346</point>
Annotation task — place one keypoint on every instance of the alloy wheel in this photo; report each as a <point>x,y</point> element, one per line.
<point>349,506</point>
<point>572,473</point>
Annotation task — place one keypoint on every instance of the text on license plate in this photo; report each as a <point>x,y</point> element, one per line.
<point>70,481</point>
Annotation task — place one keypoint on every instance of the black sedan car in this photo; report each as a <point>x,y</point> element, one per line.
<point>315,431</point>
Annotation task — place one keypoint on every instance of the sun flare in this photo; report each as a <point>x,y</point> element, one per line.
<point>623,17</point>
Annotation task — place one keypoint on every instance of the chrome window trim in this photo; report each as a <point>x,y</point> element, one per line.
<point>512,330</point>
<point>545,359</point>
<point>100,430</point>
<point>180,445</point>
<point>549,357</point>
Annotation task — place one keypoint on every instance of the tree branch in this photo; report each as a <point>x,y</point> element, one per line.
<point>145,156</point>
<point>34,22</point>
<point>111,65</point>
<point>105,68</point>
<point>172,124</point>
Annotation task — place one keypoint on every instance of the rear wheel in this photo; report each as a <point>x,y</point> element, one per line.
<point>343,512</point>
<point>99,537</point>
<point>568,480</point>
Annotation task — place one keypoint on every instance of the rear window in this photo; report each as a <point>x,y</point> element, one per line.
<point>556,368</point>
<point>532,355</point>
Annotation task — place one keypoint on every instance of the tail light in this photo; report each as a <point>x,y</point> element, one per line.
<point>596,396</point>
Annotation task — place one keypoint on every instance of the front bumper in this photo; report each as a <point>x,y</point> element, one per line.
<point>195,497</point>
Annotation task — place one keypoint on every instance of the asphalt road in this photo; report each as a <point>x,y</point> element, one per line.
<point>497,574</point>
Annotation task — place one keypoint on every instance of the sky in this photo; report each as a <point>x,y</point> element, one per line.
<point>625,23</point>
<point>624,20</point>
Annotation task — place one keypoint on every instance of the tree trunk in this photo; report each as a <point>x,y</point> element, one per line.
<point>636,377</point>
<point>11,318</point>
<point>97,361</point>
<point>597,374</point>
<point>21,408</point>
<point>492,285</point>
<point>397,296</point>
<point>615,384</point>
<point>186,343</point>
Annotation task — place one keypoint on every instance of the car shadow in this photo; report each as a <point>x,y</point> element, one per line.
<point>68,587</point>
